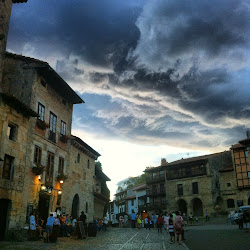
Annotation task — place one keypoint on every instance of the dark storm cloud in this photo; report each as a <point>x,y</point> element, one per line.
<point>88,29</point>
<point>176,72</point>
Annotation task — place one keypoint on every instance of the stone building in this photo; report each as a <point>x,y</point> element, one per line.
<point>14,123</point>
<point>192,185</point>
<point>5,13</point>
<point>35,84</point>
<point>156,190</point>
<point>101,193</point>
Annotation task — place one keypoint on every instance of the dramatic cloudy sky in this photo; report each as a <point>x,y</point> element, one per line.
<point>160,78</point>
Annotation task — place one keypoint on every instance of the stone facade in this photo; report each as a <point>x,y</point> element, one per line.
<point>192,185</point>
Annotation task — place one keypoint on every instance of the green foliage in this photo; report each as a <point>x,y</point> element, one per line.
<point>133,181</point>
<point>98,165</point>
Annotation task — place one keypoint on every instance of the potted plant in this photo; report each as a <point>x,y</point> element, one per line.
<point>38,169</point>
<point>42,124</point>
<point>62,177</point>
<point>64,138</point>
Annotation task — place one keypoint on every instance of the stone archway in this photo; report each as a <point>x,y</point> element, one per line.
<point>182,206</point>
<point>219,204</point>
<point>197,207</point>
<point>5,206</point>
<point>75,206</point>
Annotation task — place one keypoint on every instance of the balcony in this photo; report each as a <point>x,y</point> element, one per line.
<point>156,178</point>
<point>156,192</point>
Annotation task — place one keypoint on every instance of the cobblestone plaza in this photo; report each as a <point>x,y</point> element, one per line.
<point>114,238</point>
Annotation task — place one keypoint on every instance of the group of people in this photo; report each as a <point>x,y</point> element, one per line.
<point>101,223</point>
<point>65,225</point>
<point>241,218</point>
<point>173,223</point>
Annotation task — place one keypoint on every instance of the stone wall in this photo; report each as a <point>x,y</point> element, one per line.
<point>13,189</point>
<point>5,12</point>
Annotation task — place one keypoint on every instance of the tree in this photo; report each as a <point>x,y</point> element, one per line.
<point>98,165</point>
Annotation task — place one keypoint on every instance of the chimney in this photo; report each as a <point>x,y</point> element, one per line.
<point>248,134</point>
<point>163,162</point>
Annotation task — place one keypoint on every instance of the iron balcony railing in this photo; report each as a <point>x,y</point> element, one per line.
<point>156,191</point>
<point>155,178</point>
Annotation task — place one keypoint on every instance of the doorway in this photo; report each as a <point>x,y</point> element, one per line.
<point>5,206</point>
<point>182,206</point>
<point>197,207</point>
<point>43,206</point>
<point>75,206</point>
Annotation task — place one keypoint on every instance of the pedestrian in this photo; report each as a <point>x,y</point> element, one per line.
<point>139,222</point>
<point>240,218</point>
<point>32,222</point>
<point>121,221</point>
<point>207,218</point>
<point>105,223</point>
<point>159,223</point>
<point>154,220</point>
<point>133,218</point>
<point>178,226</point>
<point>49,226</point>
<point>171,229</point>
<point>190,219</point>
<point>246,219</point>
<point>166,222</point>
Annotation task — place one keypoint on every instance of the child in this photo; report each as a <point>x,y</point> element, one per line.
<point>171,229</point>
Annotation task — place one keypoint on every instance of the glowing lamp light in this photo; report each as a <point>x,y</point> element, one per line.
<point>59,192</point>
<point>61,181</point>
<point>43,187</point>
<point>49,191</point>
<point>39,177</point>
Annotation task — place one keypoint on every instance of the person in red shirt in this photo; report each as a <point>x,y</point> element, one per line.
<point>159,223</point>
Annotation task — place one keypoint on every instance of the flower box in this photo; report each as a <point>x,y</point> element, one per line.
<point>38,169</point>
<point>42,124</point>
<point>64,138</point>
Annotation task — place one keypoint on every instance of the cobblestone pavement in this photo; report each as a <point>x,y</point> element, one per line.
<point>113,239</point>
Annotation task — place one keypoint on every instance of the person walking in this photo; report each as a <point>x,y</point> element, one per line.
<point>139,222</point>
<point>171,229</point>
<point>121,220</point>
<point>49,226</point>
<point>207,218</point>
<point>159,223</point>
<point>154,220</point>
<point>133,218</point>
<point>178,226</point>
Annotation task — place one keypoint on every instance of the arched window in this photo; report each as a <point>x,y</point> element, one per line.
<point>88,163</point>
<point>78,158</point>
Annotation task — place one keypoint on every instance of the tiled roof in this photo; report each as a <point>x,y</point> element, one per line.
<point>142,187</point>
<point>84,144</point>
<point>238,145</point>
<point>245,142</point>
<point>131,197</point>
<point>52,77</point>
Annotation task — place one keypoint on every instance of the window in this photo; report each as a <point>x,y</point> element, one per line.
<point>230,203</point>
<point>43,83</point>
<point>52,127</point>
<point>163,201</point>
<point>41,111</point>
<point>37,155</point>
<point>8,167</point>
<point>87,207</point>
<point>78,158</point>
<point>11,133</point>
<point>88,164</point>
<point>162,188</point>
<point>61,165</point>
<point>63,128</point>
<point>50,169</point>
<point>161,173</point>
<point>132,202</point>
<point>180,189</point>
<point>228,184</point>
<point>154,200</point>
<point>195,187</point>
<point>154,189</point>
<point>59,198</point>
<point>153,175</point>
